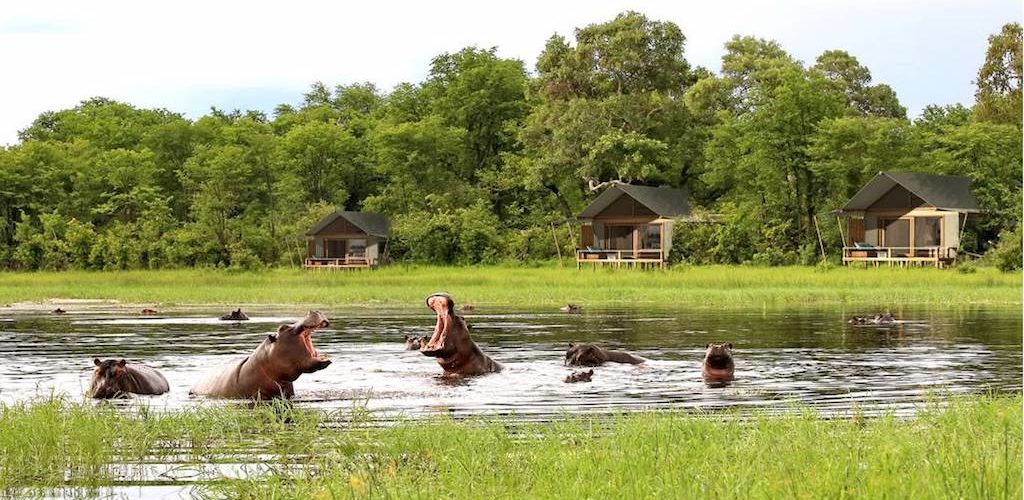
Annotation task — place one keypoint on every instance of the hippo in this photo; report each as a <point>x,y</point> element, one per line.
<point>467,308</point>
<point>886,319</point>
<point>452,345</point>
<point>269,371</point>
<point>415,343</point>
<point>595,355</point>
<point>149,312</point>
<point>718,363</point>
<point>236,315</point>
<point>58,311</point>
<point>570,308</point>
<point>115,378</point>
<point>580,376</point>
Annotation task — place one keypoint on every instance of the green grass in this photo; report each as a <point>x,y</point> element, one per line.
<point>712,286</point>
<point>967,447</point>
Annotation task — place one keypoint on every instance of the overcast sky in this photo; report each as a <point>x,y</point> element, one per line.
<point>189,55</point>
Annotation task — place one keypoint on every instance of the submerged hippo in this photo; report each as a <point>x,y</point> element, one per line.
<point>149,312</point>
<point>579,377</point>
<point>886,319</point>
<point>451,344</point>
<point>58,311</point>
<point>718,363</point>
<point>570,308</point>
<point>270,370</point>
<point>415,343</point>
<point>595,355</point>
<point>116,378</point>
<point>236,315</point>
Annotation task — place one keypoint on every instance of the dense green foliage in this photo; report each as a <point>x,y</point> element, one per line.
<point>969,447</point>
<point>484,161</point>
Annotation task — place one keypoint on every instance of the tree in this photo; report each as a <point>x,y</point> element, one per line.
<point>998,96</point>
<point>325,158</point>
<point>610,108</point>
<point>854,81</point>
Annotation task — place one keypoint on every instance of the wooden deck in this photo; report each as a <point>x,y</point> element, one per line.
<point>347,262</point>
<point>621,258</point>
<point>899,256</point>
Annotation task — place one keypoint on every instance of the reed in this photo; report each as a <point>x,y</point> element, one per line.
<point>706,286</point>
<point>962,447</point>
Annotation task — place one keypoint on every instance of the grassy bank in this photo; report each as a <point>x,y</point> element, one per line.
<point>970,448</point>
<point>717,286</point>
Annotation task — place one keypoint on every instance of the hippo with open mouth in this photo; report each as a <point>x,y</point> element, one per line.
<point>270,370</point>
<point>451,344</point>
<point>115,378</point>
<point>595,355</point>
<point>719,367</point>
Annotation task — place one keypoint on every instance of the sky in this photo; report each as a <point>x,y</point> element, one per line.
<point>187,56</point>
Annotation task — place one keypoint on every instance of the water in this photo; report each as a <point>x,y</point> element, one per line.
<point>809,356</point>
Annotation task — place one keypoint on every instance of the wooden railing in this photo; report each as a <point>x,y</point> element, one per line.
<point>939,256</point>
<point>620,257</point>
<point>348,261</point>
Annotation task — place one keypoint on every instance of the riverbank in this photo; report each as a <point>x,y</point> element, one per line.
<point>966,447</point>
<point>525,287</point>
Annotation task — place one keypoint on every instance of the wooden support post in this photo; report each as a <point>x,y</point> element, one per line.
<point>821,244</point>
<point>557,248</point>
<point>842,236</point>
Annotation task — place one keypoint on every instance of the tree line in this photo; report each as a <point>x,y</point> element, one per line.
<point>486,161</point>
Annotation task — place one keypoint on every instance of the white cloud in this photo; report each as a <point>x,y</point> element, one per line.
<point>188,55</point>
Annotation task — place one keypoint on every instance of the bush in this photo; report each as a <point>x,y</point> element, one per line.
<point>1007,254</point>
<point>479,238</point>
<point>470,235</point>
<point>536,244</point>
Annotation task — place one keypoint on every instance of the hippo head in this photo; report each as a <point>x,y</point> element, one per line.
<point>583,355</point>
<point>415,343</point>
<point>291,350</point>
<point>450,332</point>
<point>109,379</point>
<point>718,355</point>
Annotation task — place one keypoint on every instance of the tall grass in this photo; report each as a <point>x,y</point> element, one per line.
<point>965,448</point>
<point>714,286</point>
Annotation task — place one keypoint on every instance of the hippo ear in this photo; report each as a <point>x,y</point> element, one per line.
<point>271,338</point>
<point>729,345</point>
<point>708,345</point>
<point>96,361</point>
<point>571,344</point>
<point>121,363</point>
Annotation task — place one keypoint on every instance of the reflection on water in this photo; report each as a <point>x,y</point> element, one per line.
<point>812,357</point>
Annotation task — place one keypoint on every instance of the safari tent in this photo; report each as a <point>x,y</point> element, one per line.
<point>348,240</point>
<point>631,225</point>
<point>907,218</point>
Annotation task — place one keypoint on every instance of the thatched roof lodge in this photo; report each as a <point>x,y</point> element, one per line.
<point>631,225</point>
<point>348,240</point>
<point>907,218</point>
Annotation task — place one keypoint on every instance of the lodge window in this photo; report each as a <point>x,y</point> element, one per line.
<point>927,231</point>
<point>335,249</point>
<point>357,248</point>
<point>650,237</point>
<point>619,237</point>
<point>895,232</point>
